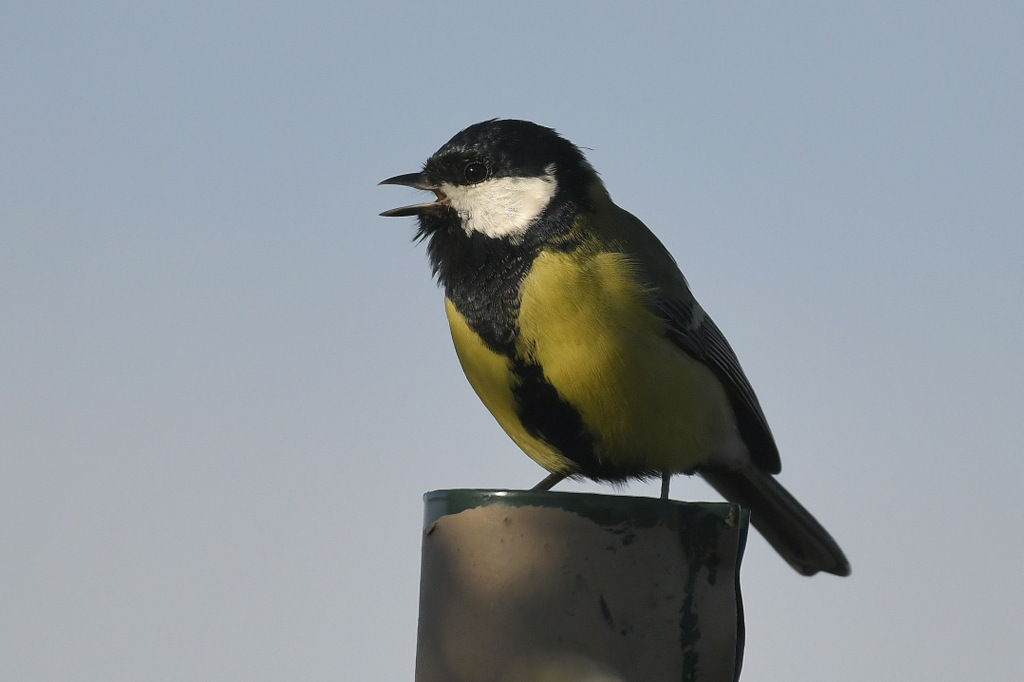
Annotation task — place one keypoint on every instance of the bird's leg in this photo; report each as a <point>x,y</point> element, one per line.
<point>549,481</point>
<point>665,478</point>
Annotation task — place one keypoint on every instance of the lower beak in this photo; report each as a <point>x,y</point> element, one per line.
<point>416,181</point>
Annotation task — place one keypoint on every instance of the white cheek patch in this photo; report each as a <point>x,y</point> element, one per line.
<point>502,207</point>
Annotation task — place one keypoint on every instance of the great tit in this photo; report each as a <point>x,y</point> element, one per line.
<point>579,333</point>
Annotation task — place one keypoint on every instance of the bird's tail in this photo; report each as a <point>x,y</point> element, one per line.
<point>783,521</point>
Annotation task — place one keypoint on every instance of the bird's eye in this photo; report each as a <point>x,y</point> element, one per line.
<point>475,172</point>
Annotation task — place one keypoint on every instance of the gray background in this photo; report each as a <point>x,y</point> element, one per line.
<point>225,382</point>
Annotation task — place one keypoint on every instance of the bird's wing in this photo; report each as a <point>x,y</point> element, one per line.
<point>695,332</point>
<point>689,327</point>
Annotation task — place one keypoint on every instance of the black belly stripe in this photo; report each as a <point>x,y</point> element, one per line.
<point>546,416</point>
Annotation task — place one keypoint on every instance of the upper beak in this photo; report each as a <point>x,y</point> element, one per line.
<point>418,181</point>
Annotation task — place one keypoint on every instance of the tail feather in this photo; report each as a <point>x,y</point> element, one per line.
<point>783,521</point>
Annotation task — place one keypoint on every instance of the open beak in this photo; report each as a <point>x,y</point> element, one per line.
<point>417,181</point>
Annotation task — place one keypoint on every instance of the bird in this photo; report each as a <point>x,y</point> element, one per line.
<point>579,333</point>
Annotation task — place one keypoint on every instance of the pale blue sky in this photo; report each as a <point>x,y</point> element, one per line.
<point>225,382</point>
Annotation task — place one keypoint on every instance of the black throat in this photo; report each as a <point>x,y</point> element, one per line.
<point>483,276</point>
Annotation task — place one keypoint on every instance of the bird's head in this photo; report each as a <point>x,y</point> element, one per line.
<point>503,180</point>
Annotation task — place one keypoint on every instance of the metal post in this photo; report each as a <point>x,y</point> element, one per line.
<point>525,586</point>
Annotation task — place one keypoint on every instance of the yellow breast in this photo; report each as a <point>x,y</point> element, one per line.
<point>584,319</point>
